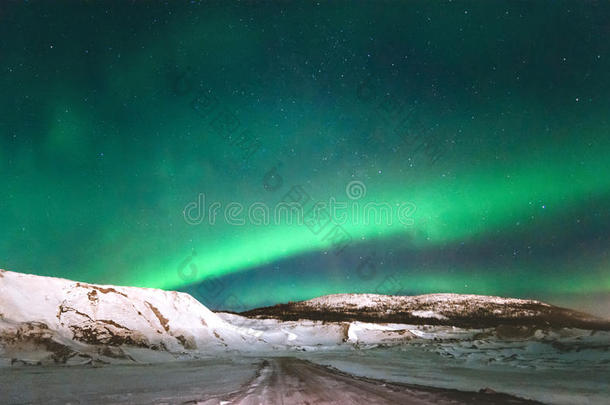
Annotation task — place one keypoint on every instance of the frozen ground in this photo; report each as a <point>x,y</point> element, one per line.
<point>274,380</point>
<point>175,382</point>
<point>248,379</point>
<point>567,385</point>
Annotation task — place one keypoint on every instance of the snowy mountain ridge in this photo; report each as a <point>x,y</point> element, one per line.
<point>47,319</point>
<point>464,310</point>
<point>437,300</point>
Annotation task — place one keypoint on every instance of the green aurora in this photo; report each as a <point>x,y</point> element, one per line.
<point>105,140</point>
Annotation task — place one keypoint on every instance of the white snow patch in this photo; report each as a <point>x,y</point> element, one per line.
<point>428,314</point>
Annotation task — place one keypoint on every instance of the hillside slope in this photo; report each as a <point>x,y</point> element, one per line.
<point>58,319</point>
<point>469,311</point>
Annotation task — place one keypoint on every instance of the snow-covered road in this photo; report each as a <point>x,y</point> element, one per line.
<point>287,380</point>
<point>272,380</point>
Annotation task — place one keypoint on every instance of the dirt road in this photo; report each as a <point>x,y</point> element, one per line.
<point>289,381</point>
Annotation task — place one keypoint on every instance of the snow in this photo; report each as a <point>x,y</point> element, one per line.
<point>62,320</point>
<point>373,333</point>
<point>291,335</point>
<point>84,316</point>
<point>422,365</point>
<point>428,314</point>
<point>437,306</point>
<point>46,320</point>
<point>377,300</point>
<point>177,382</point>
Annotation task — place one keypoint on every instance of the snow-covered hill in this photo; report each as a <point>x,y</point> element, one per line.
<point>46,319</point>
<point>63,320</point>
<point>473,311</point>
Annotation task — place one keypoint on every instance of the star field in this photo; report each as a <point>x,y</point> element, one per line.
<point>491,119</point>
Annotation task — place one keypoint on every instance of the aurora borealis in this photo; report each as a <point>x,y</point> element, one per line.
<point>492,119</point>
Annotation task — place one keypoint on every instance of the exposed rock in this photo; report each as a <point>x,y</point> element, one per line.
<point>103,290</point>
<point>162,320</point>
<point>187,342</point>
<point>100,334</point>
<point>35,336</point>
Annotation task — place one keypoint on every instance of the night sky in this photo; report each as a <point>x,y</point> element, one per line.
<point>488,121</point>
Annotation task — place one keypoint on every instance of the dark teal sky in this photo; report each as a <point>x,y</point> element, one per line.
<point>490,120</point>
